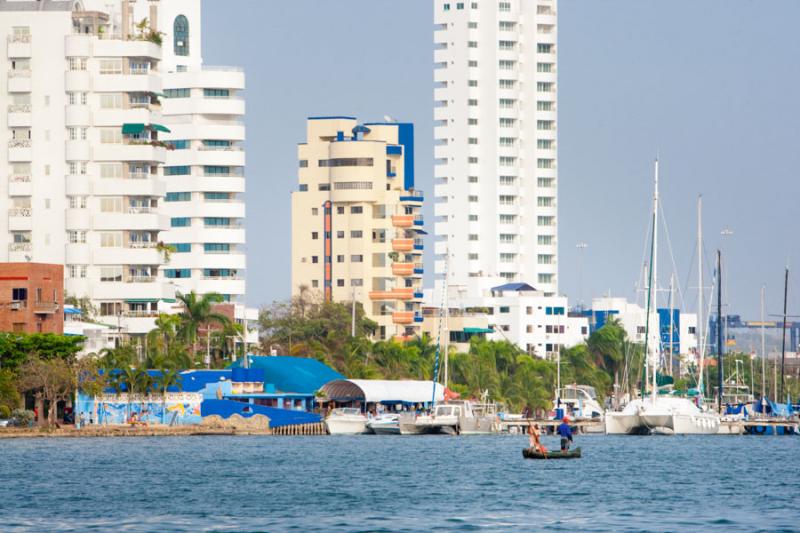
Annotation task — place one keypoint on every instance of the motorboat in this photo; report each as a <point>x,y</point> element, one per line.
<point>385,424</point>
<point>346,421</point>
<point>460,417</point>
<point>579,401</point>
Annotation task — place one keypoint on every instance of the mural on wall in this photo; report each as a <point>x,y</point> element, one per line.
<point>108,409</point>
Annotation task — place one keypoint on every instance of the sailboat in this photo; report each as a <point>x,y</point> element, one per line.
<point>658,414</point>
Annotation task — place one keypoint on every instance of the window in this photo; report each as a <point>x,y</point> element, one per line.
<point>180,222</point>
<point>111,101</point>
<point>544,67</point>
<point>351,185</point>
<point>347,162</point>
<point>111,136</point>
<point>340,234</point>
<point>178,197</point>
<point>173,273</point>
<point>447,7</point>
<point>545,221</point>
<point>215,170</point>
<point>544,48</point>
<point>508,258</point>
<point>473,64</point>
<point>472,160</point>
<point>507,141</point>
<point>472,121</point>
<point>473,101</point>
<point>473,198</point>
<point>507,26</point>
<point>303,163</point>
<point>182,144</point>
<point>356,234</point>
<point>180,35</point>
<point>473,218</point>
<point>314,283</point>
<point>472,257</point>
<point>107,66</point>
<point>544,106</point>
<point>357,258</point>
<point>508,180</point>
<point>19,294</point>
<point>544,259</point>
<point>544,86</point>
<point>216,247</point>
<point>356,210</point>
<point>216,221</point>
<point>507,84</point>
<point>111,239</point>
<point>216,93</point>
<point>473,140</point>
<point>507,45</point>
<point>177,93</point>
<point>111,204</point>
<point>545,163</point>
<point>473,237</point>
<point>504,6</point>
<point>507,103</point>
<point>356,282</point>
<point>76,237</point>
<point>111,273</point>
<point>472,44</point>
<point>460,5</point>
<point>508,219</point>
<point>504,309</point>
<point>111,170</point>
<point>182,170</point>
<point>545,278</point>
<point>182,247</point>
<point>506,161</point>
<point>544,144</point>
<point>216,196</point>
<point>545,201</point>
<point>472,25</point>
<point>507,64</point>
<point>314,259</point>
<point>545,182</point>
<point>472,83</point>
<point>340,259</point>
<point>340,283</point>
<point>340,210</point>
<point>507,238</point>
<point>75,63</point>
<point>544,125</point>
<point>544,240</point>
<point>324,187</point>
<point>472,179</point>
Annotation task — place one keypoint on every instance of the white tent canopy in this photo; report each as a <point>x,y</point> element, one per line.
<point>380,390</point>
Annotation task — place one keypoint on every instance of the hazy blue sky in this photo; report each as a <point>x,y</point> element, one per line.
<point>712,85</point>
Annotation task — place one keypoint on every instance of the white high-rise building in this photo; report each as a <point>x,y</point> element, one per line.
<point>87,132</point>
<point>495,115</point>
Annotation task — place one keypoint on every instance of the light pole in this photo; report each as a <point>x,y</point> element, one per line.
<point>581,246</point>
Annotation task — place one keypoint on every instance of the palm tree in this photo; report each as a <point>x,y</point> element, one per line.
<point>197,312</point>
<point>169,377</point>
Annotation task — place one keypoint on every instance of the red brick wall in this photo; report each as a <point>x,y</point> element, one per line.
<point>43,309</point>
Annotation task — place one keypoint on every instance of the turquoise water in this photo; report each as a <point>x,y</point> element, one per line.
<point>383,483</point>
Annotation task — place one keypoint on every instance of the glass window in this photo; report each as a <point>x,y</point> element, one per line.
<point>216,247</point>
<point>182,247</point>
<point>216,93</point>
<point>183,170</point>
<point>217,221</point>
<point>177,93</point>
<point>173,273</point>
<point>180,35</point>
<point>180,222</point>
<point>178,196</point>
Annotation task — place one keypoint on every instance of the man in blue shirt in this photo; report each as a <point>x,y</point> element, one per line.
<point>566,434</point>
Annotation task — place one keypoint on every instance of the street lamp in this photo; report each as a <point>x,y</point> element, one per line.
<point>581,246</point>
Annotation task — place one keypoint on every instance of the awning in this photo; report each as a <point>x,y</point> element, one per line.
<point>169,300</point>
<point>140,300</point>
<point>132,129</point>
<point>385,391</point>
<point>71,311</point>
<point>478,330</point>
<point>159,127</point>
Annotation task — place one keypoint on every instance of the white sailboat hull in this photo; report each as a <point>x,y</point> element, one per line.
<point>667,416</point>
<point>622,423</point>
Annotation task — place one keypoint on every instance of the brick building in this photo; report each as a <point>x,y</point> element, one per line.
<point>32,297</point>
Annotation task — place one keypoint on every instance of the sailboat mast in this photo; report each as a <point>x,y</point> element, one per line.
<point>719,330</point>
<point>763,350</point>
<point>701,340</point>
<point>783,334</point>
<point>671,322</point>
<point>654,284</point>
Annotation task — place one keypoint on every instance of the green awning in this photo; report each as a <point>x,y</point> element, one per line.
<point>478,330</point>
<point>132,129</point>
<point>141,300</point>
<point>159,127</point>
<point>169,300</point>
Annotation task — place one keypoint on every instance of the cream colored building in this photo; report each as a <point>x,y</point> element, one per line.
<point>356,220</point>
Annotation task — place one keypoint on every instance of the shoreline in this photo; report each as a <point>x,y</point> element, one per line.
<point>126,431</point>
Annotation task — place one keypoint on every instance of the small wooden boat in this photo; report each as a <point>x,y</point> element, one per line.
<point>530,453</point>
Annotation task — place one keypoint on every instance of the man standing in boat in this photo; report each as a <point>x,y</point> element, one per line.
<point>566,434</point>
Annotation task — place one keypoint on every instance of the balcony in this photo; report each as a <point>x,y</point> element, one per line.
<point>19,81</point>
<point>140,279</point>
<point>403,293</point>
<point>418,245</point>
<point>418,221</point>
<point>20,247</point>
<point>45,308</point>
<point>19,115</point>
<point>20,150</point>
<point>402,269</point>
<point>402,245</point>
<point>403,317</point>
<point>402,221</point>
<point>19,46</point>
<point>416,197</point>
<point>20,219</point>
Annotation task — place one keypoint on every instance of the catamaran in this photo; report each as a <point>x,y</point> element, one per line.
<point>659,414</point>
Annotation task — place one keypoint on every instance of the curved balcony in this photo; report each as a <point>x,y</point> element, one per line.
<point>78,218</point>
<point>78,151</point>
<point>20,150</point>
<point>150,186</point>
<point>142,83</point>
<point>20,188</point>
<point>403,293</point>
<point>130,152</point>
<point>402,245</point>
<point>77,81</point>
<point>20,219</point>
<point>19,81</point>
<point>19,46</point>
<point>78,45</point>
<point>126,48</point>
<point>77,185</point>
<point>77,115</point>
<point>403,317</point>
<point>19,116</point>
<point>402,221</point>
<point>78,254</point>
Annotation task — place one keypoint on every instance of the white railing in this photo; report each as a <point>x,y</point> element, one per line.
<point>141,244</point>
<point>222,277</point>
<point>140,279</point>
<point>19,38</point>
<point>19,108</point>
<point>19,73</point>
<point>138,175</point>
<point>20,247</point>
<point>20,212</point>
<point>220,149</point>
<point>19,143</point>
<point>140,314</point>
<point>19,178</point>
<point>140,210</point>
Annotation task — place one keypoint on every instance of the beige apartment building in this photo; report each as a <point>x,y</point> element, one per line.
<point>357,222</point>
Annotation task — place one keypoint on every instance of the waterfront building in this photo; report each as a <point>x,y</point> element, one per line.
<point>32,298</point>
<point>356,221</point>
<point>87,133</point>
<point>495,128</point>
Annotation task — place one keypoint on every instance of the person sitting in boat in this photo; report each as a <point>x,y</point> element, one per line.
<point>566,434</point>
<point>533,434</point>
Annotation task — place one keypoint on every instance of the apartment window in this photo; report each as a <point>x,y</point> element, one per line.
<point>340,283</point>
<point>180,35</point>
<point>216,93</point>
<point>473,218</point>
<point>508,219</point>
<point>178,197</point>
<point>340,210</point>
<point>76,237</point>
<point>545,182</point>
<point>507,45</point>
<point>175,273</point>
<point>216,170</point>
<point>472,179</point>
<point>357,258</point>
<point>472,83</point>
<point>545,201</point>
<point>77,202</point>
<point>508,258</point>
<point>544,259</point>
<point>182,247</point>
<point>347,162</point>
<point>302,187</point>
<point>472,44</point>
<point>303,163</point>
<point>508,180</point>
<point>181,170</point>
<point>473,101</point>
<point>324,187</point>
<point>182,144</point>
<point>473,140</point>
<point>507,25</point>
<point>504,309</point>
<point>528,329</point>
<point>340,234</point>
<point>473,199</point>
<point>110,135</point>
<point>544,106</point>
<point>447,7</point>
<point>545,278</point>
<point>507,84</point>
<point>507,103</point>
<point>217,221</point>
<point>544,86</point>
<point>472,25</point>
<point>508,122</point>
<point>111,100</point>
<point>352,185</point>
<point>111,170</point>
<point>507,142</point>
<point>544,240</point>
<point>504,6</point>
<point>472,160</point>
<point>110,273</point>
<point>180,222</point>
<point>507,238</point>
<point>177,93</point>
<point>356,234</point>
<point>356,282</point>
<point>506,161</point>
<point>545,163</point>
<point>544,125</point>
<point>356,210</point>
<point>472,121</point>
<point>473,237</point>
<point>472,63</point>
<point>544,221</point>
<point>112,204</point>
<point>314,211</point>
<point>460,5</point>
<point>544,67</point>
<point>340,259</point>
<point>314,259</point>
<point>216,247</point>
<point>75,63</point>
<point>544,48</point>
<point>107,66</point>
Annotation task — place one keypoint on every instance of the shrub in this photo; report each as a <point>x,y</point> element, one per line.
<point>5,412</point>
<point>22,418</point>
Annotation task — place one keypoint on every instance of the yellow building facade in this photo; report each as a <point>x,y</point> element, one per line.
<point>357,221</point>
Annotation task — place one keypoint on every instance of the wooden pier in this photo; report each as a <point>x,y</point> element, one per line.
<point>317,428</point>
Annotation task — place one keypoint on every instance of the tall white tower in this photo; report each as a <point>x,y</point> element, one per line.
<point>495,115</point>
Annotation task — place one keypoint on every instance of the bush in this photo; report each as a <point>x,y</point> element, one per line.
<point>22,418</point>
<point>5,412</point>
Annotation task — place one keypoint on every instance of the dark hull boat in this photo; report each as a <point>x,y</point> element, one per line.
<point>530,453</point>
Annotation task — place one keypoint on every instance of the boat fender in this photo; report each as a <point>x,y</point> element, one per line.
<point>758,430</point>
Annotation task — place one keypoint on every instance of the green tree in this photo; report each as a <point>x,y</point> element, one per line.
<point>198,312</point>
<point>51,380</point>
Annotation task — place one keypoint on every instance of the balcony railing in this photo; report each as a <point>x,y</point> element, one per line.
<point>141,210</point>
<point>19,38</point>
<point>140,279</point>
<point>142,313</point>
<point>219,148</point>
<point>19,108</point>
<point>19,143</point>
<point>138,175</point>
<point>222,277</point>
<point>19,178</point>
<point>20,212</point>
<point>19,73</point>
<point>20,247</point>
<point>137,245</point>
<point>47,308</point>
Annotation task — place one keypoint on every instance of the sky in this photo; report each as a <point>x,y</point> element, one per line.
<point>711,87</point>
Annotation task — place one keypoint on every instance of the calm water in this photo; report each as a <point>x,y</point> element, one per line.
<point>377,483</point>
